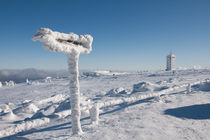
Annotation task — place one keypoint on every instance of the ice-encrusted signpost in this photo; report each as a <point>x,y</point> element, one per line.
<point>73,45</point>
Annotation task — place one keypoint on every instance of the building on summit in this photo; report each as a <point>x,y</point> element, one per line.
<point>170,62</point>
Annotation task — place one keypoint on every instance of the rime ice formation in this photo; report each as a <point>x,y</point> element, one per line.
<point>0,84</point>
<point>48,79</point>
<point>143,87</point>
<point>94,114</point>
<point>189,88</point>
<point>72,45</point>
<point>61,42</point>
<point>23,126</point>
<point>10,83</point>
<point>27,82</point>
<point>116,92</point>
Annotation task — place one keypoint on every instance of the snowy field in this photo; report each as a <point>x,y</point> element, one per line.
<point>41,109</point>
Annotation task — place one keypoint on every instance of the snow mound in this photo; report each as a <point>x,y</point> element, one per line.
<point>4,108</point>
<point>161,82</point>
<point>160,88</point>
<point>9,116</point>
<point>10,83</point>
<point>23,127</point>
<point>116,92</point>
<point>58,106</point>
<point>147,87</point>
<point>48,80</point>
<point>64,105</point>
<point>53,99</point>
<point>63,114</point>
<point>35,83</point>
<point>50,110</point>
<point>172,80</point>
<point>91,74</point>
<point>143,87</point>
<point>27,108</point>
<point>203,86</point>
<point>46,112</point>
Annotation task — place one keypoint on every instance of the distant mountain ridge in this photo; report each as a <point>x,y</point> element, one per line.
<point>32,74</point>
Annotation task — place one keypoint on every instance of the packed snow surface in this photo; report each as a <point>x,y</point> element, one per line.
<point>42,111</point>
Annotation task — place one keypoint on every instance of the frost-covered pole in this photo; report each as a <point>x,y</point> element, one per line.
<point>73,45</point>
<point>94,114</point>
<point>188,88</point>
<point>74,91</point>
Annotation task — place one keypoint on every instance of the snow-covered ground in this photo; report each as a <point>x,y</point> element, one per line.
<point>41,109</point>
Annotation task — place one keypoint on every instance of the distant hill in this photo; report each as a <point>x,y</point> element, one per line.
<point>32,74</point>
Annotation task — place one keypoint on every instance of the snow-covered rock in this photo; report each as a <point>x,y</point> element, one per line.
<point>10,83</point>
<point>172,80</point>
<point>143,87</point>
<point>27,82</point>
<point>161,82</point>
<point>94,114</point>
<point>63,114</point>
<point>53,99</point>
<point>159,88</point>
<point>91,74</point>
<point>27,108</point>
<point>23,127</point>
<point>147,87</point>
<point>9,116</point>
<point>116,92</point>
<point>48,79</point>
<point>205,86</point>
<point>35,83</point>
<point>4,108</point>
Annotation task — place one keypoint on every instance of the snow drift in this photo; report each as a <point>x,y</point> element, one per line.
<point>147,87</point>
<point>116,92</point>
<point>23,127</point>
<point>202,86</point>
<point>143,87</point>
<point>10,83</point>
<point>27,108</point>
<point>9,116</point>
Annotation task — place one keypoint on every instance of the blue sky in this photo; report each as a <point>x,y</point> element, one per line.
<point>128,34</point>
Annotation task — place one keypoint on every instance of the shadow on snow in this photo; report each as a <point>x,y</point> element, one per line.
<point>107,110</point>
<point>67,125</point>
<point>197,112</point>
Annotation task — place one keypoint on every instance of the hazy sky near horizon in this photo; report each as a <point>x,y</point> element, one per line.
<point>128,34</point>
